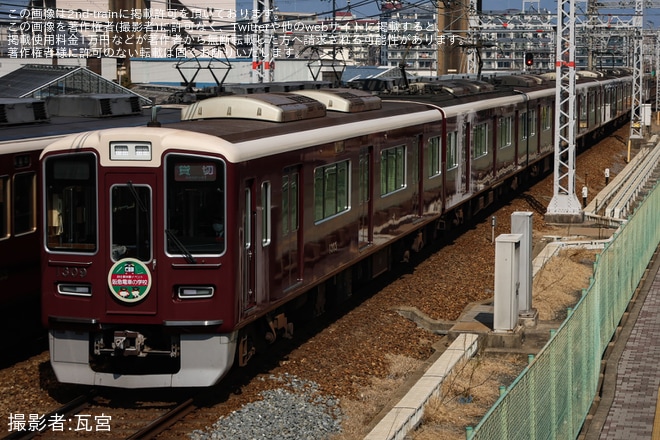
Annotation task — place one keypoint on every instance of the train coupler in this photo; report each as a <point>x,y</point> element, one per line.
<point>129,343</point>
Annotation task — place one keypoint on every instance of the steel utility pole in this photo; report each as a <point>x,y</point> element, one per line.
<point>657,76</point>
<point>636,123</point>
<point>565,206</point>
<point>263,61</point>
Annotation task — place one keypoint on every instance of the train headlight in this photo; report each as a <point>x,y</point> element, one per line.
<point>75,289</point>
<point>187,292</point>
<point>130,151</point>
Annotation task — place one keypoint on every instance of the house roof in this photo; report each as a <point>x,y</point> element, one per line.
<point>40,81</point>
<point>364,72</point>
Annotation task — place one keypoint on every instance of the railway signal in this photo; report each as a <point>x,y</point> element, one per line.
<point>529,59</point>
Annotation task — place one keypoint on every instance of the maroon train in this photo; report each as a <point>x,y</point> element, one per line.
<point>19,239</point>
<point>171,253</point>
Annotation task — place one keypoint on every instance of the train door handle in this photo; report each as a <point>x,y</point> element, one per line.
<point>153,264</point>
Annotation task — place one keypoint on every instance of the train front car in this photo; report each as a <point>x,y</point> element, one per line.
<point>136,280</point>
<point>172,253</point>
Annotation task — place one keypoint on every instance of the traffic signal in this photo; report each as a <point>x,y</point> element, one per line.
<point>529,59</point>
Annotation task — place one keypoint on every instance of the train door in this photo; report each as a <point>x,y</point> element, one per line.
<point>290,227</point>
<point>248,258</point>
<point>365,200</point>
<point>131,250</point>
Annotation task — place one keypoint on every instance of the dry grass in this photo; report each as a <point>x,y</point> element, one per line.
<point>376,397</point>
<point>559,284</point>
<point>467,395</point>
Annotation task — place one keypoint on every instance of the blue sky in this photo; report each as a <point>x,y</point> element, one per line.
<point>366,8</point>
<point>369,8</point>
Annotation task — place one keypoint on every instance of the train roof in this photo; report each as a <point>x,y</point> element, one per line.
<point>244,139</point>
<point>242,130</point>
<point>273,107</point>
<point>343,100</point>
<point>283,107</point>
<point>239,125</point>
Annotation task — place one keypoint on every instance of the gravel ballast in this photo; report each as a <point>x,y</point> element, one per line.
<point>297,411</point>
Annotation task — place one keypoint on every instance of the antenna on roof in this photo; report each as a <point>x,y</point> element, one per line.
<point>154,117</point>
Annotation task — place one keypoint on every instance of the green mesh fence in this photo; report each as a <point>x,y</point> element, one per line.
<point>552,396</point>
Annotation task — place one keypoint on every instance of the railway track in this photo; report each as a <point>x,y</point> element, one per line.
<point>94,415</point>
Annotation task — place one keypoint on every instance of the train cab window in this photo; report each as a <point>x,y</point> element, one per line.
<point>434,156</point>
<point>392,170</point>
<point>70,198</point>
<point>195,205</point>
<point>331,189</point>
<point>4,207</point>
<point>131,221</point>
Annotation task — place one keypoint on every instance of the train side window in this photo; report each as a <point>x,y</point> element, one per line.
<point>365,184</point>
<point>25,205</point>
<point>434,155</point>
<point>414,159</point>
<point>504,130</point>
<point>195,205</point>
<point>546,117</point>
<point>290,193</point>
<point>392,170</point>
<point>331,189</point>
<point>452,150</point>
<point>247,219</point>
<point>532,122</point>
<point>582,115</point>
<point>524,125</point>
<point>607,99</point>
<point>4,207</point>
<point>480,142</point>
<point>266,214</point>
<point>70,183</point>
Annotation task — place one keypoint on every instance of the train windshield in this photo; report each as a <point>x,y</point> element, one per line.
<point>70,183</point>
<point>195,205</point>
<point>131,221</point>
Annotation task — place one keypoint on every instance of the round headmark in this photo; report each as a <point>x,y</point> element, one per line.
<point>129,280</point>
